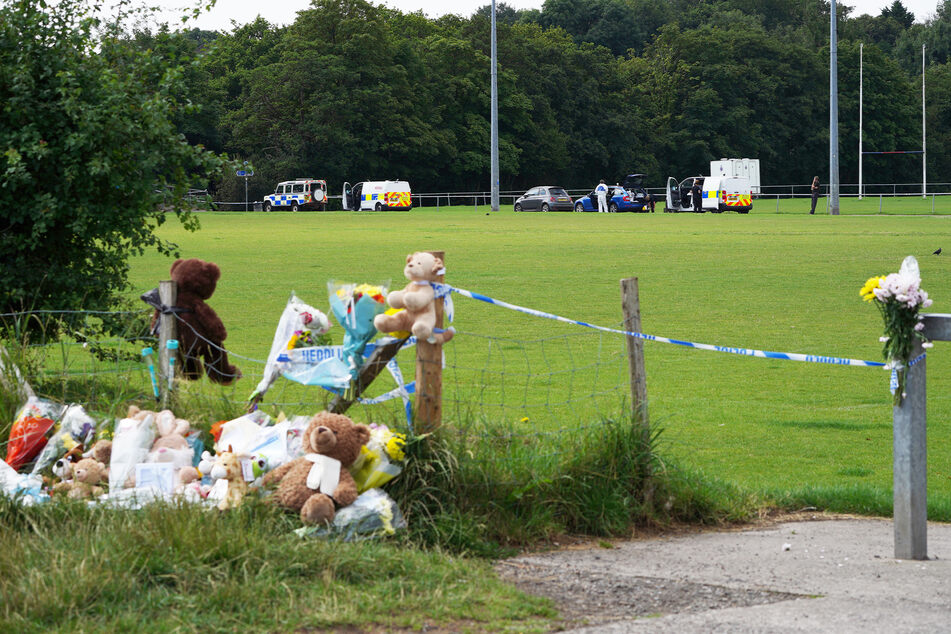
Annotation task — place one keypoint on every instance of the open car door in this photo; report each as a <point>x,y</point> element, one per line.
<point>347,197</point>
<point>673,194</point>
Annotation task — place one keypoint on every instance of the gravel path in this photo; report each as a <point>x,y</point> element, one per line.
<point>820,574</point>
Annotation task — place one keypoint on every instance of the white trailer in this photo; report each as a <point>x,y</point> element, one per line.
<point>738,168</point>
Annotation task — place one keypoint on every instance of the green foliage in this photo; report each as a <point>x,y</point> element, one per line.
<point>91,156</point>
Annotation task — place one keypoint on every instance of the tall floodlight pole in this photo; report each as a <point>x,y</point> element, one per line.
<point>833,119</point>
<point>495,121</point>
<point>861,49</point>
<point>924,150</point>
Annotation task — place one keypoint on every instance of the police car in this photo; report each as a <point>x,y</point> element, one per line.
<point>303,193</point>
<point>377,195</point>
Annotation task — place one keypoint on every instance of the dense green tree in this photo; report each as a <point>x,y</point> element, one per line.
<point>91,156</point>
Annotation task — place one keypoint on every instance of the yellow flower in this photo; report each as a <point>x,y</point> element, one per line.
<point>394,446</point>
<point>524,419</point>
<point>868,291</point>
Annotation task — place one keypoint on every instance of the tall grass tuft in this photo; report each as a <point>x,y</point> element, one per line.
<point>482,490</point>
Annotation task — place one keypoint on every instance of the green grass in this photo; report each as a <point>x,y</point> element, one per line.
<point>66,567</point>
<point>775,282</point>
<point>528,447</point>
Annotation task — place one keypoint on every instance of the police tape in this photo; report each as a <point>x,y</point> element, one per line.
<point>749,352</point>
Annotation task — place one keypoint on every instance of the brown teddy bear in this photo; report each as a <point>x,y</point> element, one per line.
<point>312,483</point>
<point>417,299</point>
<point>87,474</point>
<point>201,333</point>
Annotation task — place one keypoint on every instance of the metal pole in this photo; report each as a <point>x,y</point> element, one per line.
<point>495,121</point>
<point>833,117</point>
<point>924,149</point>
<point>246,193</point>
<point>861,51</point>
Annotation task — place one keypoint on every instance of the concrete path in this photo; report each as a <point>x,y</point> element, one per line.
<point>834,575</point>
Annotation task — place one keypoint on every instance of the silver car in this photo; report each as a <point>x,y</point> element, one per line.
<point>544,198</point>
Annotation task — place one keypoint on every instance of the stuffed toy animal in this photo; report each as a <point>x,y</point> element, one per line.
<point>62,469</point>
<point>313,483</point>
<point>101,451</point>
<point>201,333</point>
<point>227,468</point>
<point>170,444</point>
<point>188,485</point>
<point>417,299</point>
<point>87,474</point>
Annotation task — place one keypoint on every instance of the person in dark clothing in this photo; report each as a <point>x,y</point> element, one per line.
<point>697,193</point>
<point>815,193</point>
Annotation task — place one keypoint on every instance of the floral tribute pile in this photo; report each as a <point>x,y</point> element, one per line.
<point>899,297</point>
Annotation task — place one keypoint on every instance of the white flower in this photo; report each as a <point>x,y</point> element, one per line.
<point>919,326</point>
<point>927,345</point>
<point>883,339</point>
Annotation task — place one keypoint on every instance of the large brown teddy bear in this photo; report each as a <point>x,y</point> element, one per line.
<point>418,301</point>
<point>312,483</point>
<point>201,332</point>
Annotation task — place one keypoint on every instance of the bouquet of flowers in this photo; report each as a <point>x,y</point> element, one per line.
<point>355,306</point>
<point>899,297</point>
<point>376,464</point>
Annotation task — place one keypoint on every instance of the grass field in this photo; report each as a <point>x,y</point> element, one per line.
<point>786,282</point>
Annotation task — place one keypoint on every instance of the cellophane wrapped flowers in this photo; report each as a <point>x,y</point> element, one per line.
<point>377,463</point>
<point>899,297</point>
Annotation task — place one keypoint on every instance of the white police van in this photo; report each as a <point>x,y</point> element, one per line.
<point>303,193</point>
<point>377,195</point>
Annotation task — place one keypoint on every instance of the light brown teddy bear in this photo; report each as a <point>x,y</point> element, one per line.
<point>312,483</point>
<point>87,474</point>
<point>417,299</point>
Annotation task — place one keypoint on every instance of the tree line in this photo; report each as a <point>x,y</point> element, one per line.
<point>588,89</point>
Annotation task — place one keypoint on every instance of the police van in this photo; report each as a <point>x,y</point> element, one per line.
<point>377,195</point>
<point>718,194</point>
<point>303,193</point>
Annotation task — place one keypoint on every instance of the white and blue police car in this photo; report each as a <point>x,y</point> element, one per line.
<point>303,193</point>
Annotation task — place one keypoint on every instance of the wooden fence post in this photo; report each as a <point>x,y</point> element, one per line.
<point>429,373</point>
<point>630,304</point>
<point>168,329</point>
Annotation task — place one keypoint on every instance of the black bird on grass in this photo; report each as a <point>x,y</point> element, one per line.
<point>938,252</point>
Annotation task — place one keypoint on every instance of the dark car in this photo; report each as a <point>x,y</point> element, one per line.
<point>619,199</point>
<point>544,198</point>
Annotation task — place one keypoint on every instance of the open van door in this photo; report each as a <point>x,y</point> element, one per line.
<point>347,197</point>
<point>673,194</point>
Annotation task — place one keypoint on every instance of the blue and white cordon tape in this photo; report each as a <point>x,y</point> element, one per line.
<point>445,289</point>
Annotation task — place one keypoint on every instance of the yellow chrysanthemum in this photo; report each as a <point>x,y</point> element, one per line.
<point>868,291</point>
<point>394,446</point>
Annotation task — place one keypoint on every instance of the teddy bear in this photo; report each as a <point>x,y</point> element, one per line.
<point>201,332</point>
<point>170,444</point>
<point>87,474</point>
<point>315,482</point>
<point>417,299</point>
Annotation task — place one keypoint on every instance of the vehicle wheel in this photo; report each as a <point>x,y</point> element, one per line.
<point>378,207</point>
<point>518,207</point>
<point>294,207</point>
<point>267,206</point>
<point>613,208</point>
<point>546,208</point>
<point>579,207</point>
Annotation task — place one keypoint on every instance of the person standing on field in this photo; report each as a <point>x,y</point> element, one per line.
<point>697,196</point>
<point>815,193</point>
<point>602,191</point>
